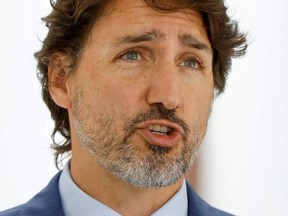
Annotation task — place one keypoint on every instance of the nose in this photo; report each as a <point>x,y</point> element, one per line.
<point>164,87</point>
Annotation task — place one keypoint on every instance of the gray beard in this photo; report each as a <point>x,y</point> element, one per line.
<point>158,167</point>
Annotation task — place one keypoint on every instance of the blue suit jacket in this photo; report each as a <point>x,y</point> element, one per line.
<point>48,203</point>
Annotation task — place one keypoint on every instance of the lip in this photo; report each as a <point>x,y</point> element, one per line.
<point>170,140</point>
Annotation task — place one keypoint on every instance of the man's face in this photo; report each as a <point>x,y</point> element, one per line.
<point>142,93</point>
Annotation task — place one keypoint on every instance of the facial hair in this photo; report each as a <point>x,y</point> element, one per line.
<point>114,149</point>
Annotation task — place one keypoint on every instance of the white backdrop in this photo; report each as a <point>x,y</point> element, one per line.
<point>244,159</point>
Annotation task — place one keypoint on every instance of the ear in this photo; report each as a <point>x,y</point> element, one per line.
<point>58,70</point>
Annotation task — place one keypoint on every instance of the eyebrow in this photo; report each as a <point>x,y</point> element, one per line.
<point>146,36</point>
<point>186,40</point>
<point>192,42</point>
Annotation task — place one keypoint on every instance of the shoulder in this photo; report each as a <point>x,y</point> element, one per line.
<point>45,203</point>
<point>198,207</point>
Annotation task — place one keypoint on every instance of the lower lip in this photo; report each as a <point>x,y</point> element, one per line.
<point>170,140</point>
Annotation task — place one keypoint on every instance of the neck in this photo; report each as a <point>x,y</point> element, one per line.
<point>108,189</point>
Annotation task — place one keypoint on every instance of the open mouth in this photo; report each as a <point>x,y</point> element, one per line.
<point>161,133</point>
<point>160,129</point>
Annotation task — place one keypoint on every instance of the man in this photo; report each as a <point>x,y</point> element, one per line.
<point>130,85</point>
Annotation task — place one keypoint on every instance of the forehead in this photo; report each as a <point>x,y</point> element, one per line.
<point>156,5</point>
<point>138,10</point>
<point>126,16</point>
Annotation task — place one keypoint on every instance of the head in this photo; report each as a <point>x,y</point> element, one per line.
<point>78,28</point>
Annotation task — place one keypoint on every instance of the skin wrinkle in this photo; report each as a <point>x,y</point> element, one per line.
<point>84,16</point>
<point>186,40</point>
<point>108,87</point>
<point>114,159</point>
<point>156,169</point>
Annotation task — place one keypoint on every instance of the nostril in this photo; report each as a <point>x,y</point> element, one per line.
<point>164,91</point>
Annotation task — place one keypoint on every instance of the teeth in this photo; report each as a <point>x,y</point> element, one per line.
<point>159,129</point>
<point>164,129</point>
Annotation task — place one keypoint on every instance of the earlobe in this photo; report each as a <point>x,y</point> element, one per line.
<point>57,80</point>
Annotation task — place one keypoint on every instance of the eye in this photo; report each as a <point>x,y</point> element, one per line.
<point>131,55</point>
<point>191,63</point>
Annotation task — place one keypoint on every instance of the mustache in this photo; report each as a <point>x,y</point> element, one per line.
<point>159,112</point>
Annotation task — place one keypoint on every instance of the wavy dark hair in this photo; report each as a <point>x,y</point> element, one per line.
<point>71,21</point>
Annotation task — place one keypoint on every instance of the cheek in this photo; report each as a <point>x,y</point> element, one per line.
<point>114,98</point>
<point>205,105</point>
<point>197,104</point>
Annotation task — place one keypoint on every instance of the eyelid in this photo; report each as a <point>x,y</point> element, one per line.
<point>195,58</point>
<point>143,56</point>
<point>118,57</point>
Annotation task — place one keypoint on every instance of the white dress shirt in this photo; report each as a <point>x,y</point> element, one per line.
<point>76,202</point>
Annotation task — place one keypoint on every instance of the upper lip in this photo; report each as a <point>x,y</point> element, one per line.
<point>162,122</point>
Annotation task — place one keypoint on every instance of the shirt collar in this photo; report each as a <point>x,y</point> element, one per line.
<point>76,202</point>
